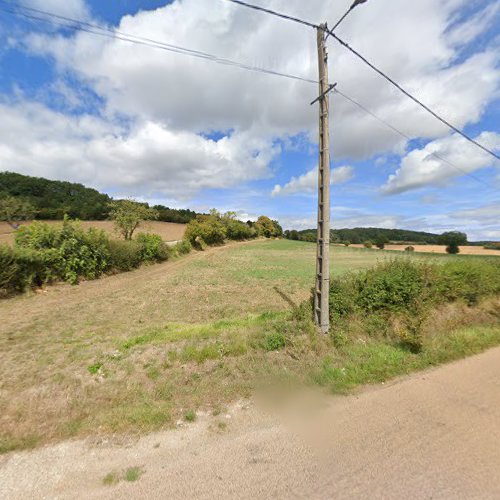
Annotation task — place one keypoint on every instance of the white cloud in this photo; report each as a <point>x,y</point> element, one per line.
<point>170,99</point>
<point>308,183</point>
<point>199,96</point>
<point>67,8</point>
<point>489,214</point>
<point>144,161</point>
<point>420,168</point>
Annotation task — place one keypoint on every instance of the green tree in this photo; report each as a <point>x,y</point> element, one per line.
<point>265,227</point>
<point>14,210</point>
<point>128,215</point>
<point>381,241</point>
<point>453,240</point>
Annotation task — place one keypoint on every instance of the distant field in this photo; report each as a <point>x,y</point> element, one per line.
<point>167,230</point>
<point>465,250</point>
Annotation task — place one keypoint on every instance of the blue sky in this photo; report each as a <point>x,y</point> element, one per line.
<point>167,128</point>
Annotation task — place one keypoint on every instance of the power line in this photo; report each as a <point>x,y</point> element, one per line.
<point>407,137</point>
<point>372,66</point>
<point>413,98</point>
<point>114,34</point>
<point>274,13</point>
<point>95,29</point>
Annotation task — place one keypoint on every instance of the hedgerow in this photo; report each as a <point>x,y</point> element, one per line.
<point>45,253</point>
<point>395,298</point>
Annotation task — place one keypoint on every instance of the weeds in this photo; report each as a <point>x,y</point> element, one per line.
<point>131,474</point>
<point>190,416</point>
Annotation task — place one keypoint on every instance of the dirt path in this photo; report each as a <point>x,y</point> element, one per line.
<point>431,435</point>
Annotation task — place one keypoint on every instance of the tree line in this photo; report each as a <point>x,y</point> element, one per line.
<point>369,236</point>
<point>23,197</point>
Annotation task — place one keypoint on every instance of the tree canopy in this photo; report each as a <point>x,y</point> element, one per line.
<point>129,214</point>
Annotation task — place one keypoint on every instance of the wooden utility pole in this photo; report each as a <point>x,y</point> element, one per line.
<point>321,292</point>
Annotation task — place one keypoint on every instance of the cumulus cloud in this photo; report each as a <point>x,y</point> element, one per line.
<point>420,168</point>
<point>172,101</point>
<point>308,183</point>
<point>200,96</point>
<point>147,159</point>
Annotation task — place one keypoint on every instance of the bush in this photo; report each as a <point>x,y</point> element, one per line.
<point>237,230</point>
<point>492,246</point>
<point>209,228</point>
<point>125,254</point>
<point>183,247</point>
<point>274,341</point>
<point>453,248</point>
<point>346,243</point>
<point>395,297</point>
<point>153,248</point>
<point>74,252</point>
<point>469,280</point>
<point>368,244</point>
<point>10,278</point>
<point>410,249</point>
<point>22,268</point>
<point>199,244</point>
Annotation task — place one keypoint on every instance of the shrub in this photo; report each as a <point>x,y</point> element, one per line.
<point>393,286</point>
<point>74,252</point>
<point>209,228</point>
<point>368,244</point>
<point>274,341</point>
<point>346,243</point>
<point>237,230</point>
<point>153,248</point>
<point>22,268</point>
<point>125,254</point>
<point>199,244</point>
<point>394,298</point>
<point>492,246</point>
<point>183,247</point>
<point>410,249</point>
<point>469,280</point>
<point>10,278</point>
<point>453,248</point>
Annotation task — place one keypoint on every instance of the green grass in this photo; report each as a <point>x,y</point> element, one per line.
<point>132,474</point>
<point>190,416</point>
<point>194,334</point>
<point>375,362</point>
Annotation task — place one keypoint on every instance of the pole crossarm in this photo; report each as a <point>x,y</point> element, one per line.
<point>330,88</point>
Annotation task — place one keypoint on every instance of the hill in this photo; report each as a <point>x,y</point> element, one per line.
<point>361,234</point>
<point>54,199</point>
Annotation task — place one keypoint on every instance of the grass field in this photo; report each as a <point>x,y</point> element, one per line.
<point>137,351</point>
<point>167,230</point>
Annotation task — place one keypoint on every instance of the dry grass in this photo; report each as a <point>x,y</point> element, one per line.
<point>138,351</point>
<point>464,250</point>
<point>167,230</point>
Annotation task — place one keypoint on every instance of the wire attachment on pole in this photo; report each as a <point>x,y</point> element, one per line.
<point>330,88</point>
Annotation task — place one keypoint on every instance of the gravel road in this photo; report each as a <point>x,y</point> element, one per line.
<point>432,435</point>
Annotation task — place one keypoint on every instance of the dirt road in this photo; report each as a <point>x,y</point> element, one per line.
<point>432,435</point>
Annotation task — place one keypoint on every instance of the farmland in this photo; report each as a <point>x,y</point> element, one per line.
<point>137,351</point>
<point>441,249</point>
<point>167,230</point>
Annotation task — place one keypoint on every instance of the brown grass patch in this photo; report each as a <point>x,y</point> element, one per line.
<point>464,250</point>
